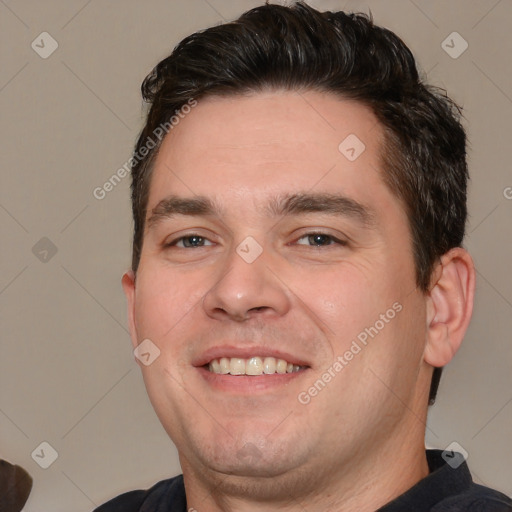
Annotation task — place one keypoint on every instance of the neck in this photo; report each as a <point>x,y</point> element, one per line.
<point>362,485</point>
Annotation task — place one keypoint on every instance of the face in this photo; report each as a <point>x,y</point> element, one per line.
<point>277,281</point>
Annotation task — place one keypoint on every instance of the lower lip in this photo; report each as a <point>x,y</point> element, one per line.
<point>248,383</point>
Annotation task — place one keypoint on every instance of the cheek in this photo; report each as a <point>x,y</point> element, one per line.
<point>393,354</point>
<point>410,328</point>
<point>163,299</point>
<point>345,300</point>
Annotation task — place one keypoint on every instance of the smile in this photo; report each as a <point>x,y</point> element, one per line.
<point>252,366</point>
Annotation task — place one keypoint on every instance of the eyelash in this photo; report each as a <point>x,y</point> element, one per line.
<point>321,233</point>
<point>173,243</point>
<point>332,238</point>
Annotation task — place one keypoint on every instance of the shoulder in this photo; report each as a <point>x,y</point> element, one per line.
<point>476,498</point>
<point>164,493</point>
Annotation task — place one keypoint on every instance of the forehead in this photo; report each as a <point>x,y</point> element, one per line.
<point>242,149</point>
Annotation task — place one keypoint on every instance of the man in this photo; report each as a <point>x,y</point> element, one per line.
<point>298,279</point>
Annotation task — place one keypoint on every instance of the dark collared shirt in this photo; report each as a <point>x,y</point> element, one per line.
<point>445,489</point>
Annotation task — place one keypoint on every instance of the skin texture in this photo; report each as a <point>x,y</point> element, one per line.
<point>359,442</point>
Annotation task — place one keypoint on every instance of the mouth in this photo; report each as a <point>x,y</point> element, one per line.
<point>252,366</point>
<point>249,370</point>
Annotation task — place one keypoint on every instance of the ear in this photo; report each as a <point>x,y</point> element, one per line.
<point>128,282</point>
<point>449,306</point>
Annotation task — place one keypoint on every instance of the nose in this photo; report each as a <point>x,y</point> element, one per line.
<point>246,290</point>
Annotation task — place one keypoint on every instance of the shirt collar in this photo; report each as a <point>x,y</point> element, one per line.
<point>442,481</point>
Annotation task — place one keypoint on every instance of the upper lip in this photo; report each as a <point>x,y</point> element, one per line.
<point>245,352</point>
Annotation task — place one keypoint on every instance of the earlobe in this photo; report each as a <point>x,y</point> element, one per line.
<point>449,306</point>
<point>128,282</point>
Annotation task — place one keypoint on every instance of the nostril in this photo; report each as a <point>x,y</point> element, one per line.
<point>258,308</point>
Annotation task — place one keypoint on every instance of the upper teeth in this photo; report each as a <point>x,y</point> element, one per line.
<point>252,366</point>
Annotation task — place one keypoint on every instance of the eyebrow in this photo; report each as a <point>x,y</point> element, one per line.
<point>285,205</point>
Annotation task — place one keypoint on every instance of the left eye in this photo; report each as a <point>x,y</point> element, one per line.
<point>319,240</point>
<point>190,241</point>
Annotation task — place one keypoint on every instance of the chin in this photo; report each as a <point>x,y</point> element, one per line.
<point>265,475</point>
<point>250,456</point>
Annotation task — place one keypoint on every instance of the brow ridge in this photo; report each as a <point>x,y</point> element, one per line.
<point>278,206</point>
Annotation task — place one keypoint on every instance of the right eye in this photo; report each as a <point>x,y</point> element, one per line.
<point>189,241</point>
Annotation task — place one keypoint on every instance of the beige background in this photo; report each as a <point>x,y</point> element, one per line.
<point>67,373</point>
